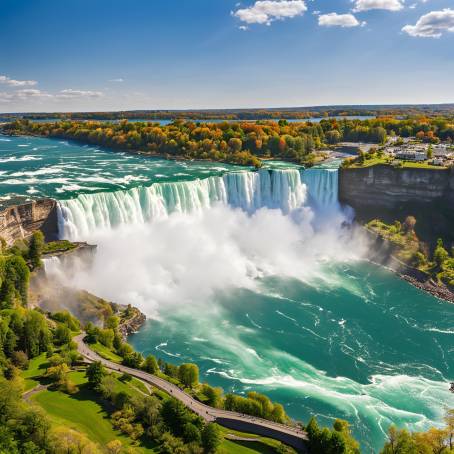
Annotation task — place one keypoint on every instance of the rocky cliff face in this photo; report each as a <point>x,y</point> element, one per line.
<point>391,187</point>
<point>20,221</point>
<point>391,193</point>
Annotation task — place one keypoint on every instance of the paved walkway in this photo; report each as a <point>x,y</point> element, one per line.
<point>31,392</point>
<point>251,424</point>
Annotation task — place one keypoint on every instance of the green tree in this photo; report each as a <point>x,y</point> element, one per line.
<point>62,334</point>
<point>189,375</point>
<point>440,254</point>
<point>175,415</point>
<point>399,442</point>
<point>95,373</point>
<point>134,360</point>
<point>35,250</point>
<point>150,364</point>
<point>191,433</point>
<point>211,438</point>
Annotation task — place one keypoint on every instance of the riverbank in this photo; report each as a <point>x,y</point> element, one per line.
<point>382,253</point>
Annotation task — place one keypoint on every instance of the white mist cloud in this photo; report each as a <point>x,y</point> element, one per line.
<point>267,11</point>
<point>186,259</point>
<point>432,25</point>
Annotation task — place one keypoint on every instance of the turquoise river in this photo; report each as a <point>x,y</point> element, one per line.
<point>254,276</point>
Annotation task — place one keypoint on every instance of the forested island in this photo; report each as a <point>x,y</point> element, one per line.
<point>301,113</point>
<point>245,143</point>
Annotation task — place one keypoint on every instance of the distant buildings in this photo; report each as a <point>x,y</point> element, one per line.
<point>411,155</point>
<point>419,152</point>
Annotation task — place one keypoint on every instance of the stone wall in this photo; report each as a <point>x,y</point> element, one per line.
<point>20,221</point>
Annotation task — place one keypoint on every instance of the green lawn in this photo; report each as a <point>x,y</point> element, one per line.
<point>405,164</point>
<point>35,370</point>
<point>421,165</point>
<point>105,353</point>
<point>262,445</point>
<point>85,412</point>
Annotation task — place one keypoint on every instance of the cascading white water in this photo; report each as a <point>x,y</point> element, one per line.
<point>51,265</point>
<point>322,186</point>
<point>249,191</point>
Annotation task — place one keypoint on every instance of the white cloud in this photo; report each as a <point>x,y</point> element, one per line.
<point>16,83</point>
<point>119,79</point>
<point>432,25</point>
<point>23,95</point>
<point>267,11</point>
<point>338,20</point>
<point>366,5</point>
<point>69,93</point>
<point>29,94</point>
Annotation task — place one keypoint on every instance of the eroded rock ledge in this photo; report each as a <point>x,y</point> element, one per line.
<point>20,221</point>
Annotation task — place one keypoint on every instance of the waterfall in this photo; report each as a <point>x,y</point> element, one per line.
<point>283,189</point>
<point>322,184</point>
<point>51,265</point>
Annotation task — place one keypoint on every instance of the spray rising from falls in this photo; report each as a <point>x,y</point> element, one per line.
<point>249,191</point>
<point>257,265</point>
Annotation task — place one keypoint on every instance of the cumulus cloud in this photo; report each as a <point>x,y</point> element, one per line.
<point>16,83</point>
<point>366,5</point>
<point>432,25</point>
<point>267,11</point>
<point>22,95</point>
<point>119,79</point>
<point>27,94</point>
<point>338,20</point>
<point>69,93</point>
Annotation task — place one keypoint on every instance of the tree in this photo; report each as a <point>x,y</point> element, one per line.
<point>449,421</point>
<point>20,360</point>
<point>213,395</point>
<point>191,433</point>
<point>171,445</point>
<point>95,373</point>
<point>440,254</point>
<point>134,360</point>
<point>62,334</point>
<point>58,373</point>
<point>112,322</point>
<point>211,438</point>
<point>409,224</point>
<point>189,375</point>
<point>114,447</point>
<point>150,365</point>
<point>333,137</point>
<point>36,334</point>
<point>64,440</point>
<point>175,415</point>
<point>35,250</point>
<point>399,442</point>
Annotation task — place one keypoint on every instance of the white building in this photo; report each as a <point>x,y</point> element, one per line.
<point>441,150</point>
<point>411,155</point>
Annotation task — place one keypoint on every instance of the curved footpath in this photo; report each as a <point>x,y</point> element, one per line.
<point>290,435</point>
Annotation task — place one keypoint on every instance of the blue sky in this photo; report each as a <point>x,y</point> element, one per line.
<point>180,54</point>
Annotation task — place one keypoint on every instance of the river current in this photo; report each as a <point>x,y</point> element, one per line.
<point>251,275</point>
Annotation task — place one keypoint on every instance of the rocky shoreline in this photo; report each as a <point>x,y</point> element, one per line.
<point>440,291</point>
<point>133,323</point>
<point>382,254</point>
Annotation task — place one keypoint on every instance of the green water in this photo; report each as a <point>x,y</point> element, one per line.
<point>33,167</point>
<point>258,298</point>
<point>362,345</point>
